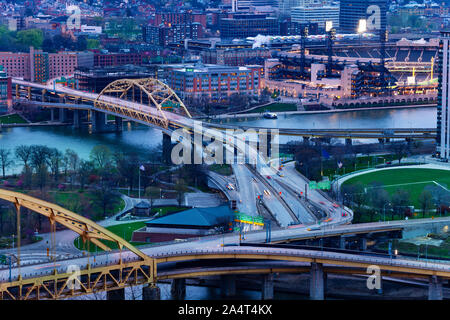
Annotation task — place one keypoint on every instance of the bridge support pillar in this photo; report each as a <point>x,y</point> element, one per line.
<point>118,294</point>
<point>306,140</point>
<point>228,285</point>
<point>363,244</point>
<point>52,115</point>
<point>98,121</point>
<point>178,289</point>
<point>151,292</point>
<point>348,142</point>
<point>342,242</point>
<point>316,283</point>
<point>167,149</point>
<point>435,288</point>
<point>62,115</point>
<point>119,124</point>
<point>267,287</point>
<point>76,119</point>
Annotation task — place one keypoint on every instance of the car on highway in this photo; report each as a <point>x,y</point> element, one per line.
<point>230,186</point>
<point>313,229</point>
<point>280,174</point>
<point>335,205</point>
<point>268,177</point>
<point>267,193</point>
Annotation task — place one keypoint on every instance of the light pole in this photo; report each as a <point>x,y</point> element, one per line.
<point>384,211</point>
<point>362,27</point>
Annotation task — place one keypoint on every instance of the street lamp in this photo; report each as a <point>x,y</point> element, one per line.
<point>384,210</point>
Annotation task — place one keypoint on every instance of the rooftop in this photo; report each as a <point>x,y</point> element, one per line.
<point>204,217</point>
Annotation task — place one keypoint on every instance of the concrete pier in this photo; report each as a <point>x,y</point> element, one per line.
<point>178,289</point>
<point>267,287</point>
<point>316,284</point>
<point>62,115</point>
<point>119,124</point>
<point>118,294</point>
<point>76,119</point>
<point>435,288</point>
<point>151,292</point>
<point>228,285</point>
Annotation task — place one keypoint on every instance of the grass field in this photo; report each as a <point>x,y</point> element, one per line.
<point>412,180</point>
<point>124,231</point>
<point>11,118</point>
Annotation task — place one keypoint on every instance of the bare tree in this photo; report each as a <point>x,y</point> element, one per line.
<point>24,153</point>
<point>426,201</point>
<point>5,160</point>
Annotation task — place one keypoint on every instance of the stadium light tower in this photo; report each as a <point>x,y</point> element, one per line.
<point>362,28</point>
<point>304,34</point>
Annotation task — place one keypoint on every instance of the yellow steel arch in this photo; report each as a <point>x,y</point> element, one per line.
<point>87,229</point>
<point>156,93</point>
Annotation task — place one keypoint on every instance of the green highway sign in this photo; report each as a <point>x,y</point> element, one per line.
<point>244,218</point>
<point>323,185</point>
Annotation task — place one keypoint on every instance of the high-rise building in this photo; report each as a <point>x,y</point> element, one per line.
<point>248,25</point>
<point>285,6</point>
<point>443,107</point>
<point>5,91</point>
<point>319,15</point>
<point>351,11</point>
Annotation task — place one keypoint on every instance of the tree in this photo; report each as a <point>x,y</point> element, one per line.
<point>128,167</point>
<point>5,160</point>
<point>72,162</point>
<point>39,158</point>
<point>24,153</point>
<point>425,201</point>
<point>55,160</point>
<point>30,38</point>
<point>378,196</point>
<point>180,188</point>
<point>101,156</point>
<point>399,149</point>
<point>400,199</point>
<point>84,171</point>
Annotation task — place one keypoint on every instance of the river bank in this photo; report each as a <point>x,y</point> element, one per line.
<point>288,113</point>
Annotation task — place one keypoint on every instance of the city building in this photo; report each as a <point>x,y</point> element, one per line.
<point>41,66</point>
<point>235,57</point>
<point>189,223</point>
<point>443,107</point>
<point>248,25</point>
<point>5,91</point>
<point>351,11</point>
<point>214,82</point>
<point>165,34</point>
<point>95,79</point>
<point>117,59</point>
<point>316,14</point>
<point>285,6</point>
<point>290,28</point>
<point>179,18</point>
